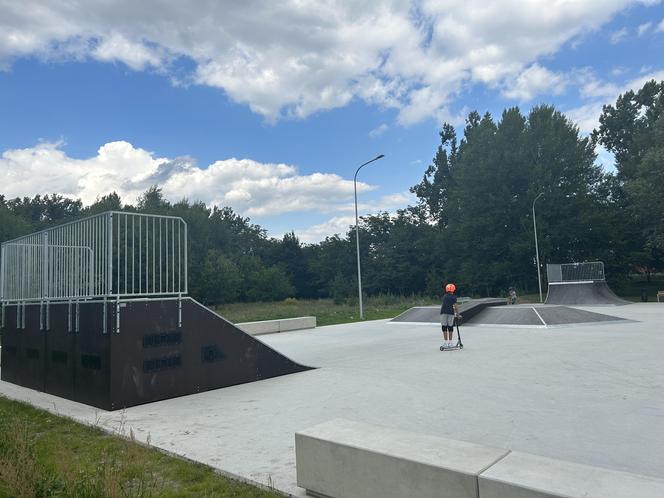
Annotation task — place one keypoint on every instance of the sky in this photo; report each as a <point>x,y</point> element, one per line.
<point>270,107</point>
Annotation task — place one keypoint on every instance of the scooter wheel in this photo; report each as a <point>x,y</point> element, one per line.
<point>442,348</point>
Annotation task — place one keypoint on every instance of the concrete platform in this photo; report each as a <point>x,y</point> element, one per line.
<point>485,313</point>
<point>276,326</point>
<point>343,458</point>
<point>520,475</point>
<point>592,395</point>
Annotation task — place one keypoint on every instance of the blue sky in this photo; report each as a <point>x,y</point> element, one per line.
<point>269,109</point>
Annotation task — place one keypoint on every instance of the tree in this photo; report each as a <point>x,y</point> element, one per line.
<point>498,169</point>
<point>220,279</point>
<point>633,130</point>
<point>434,188</point>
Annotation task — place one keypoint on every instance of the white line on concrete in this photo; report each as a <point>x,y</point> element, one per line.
<point>538,315</point>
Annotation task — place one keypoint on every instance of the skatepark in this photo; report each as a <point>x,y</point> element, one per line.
<point>580,384</point>
<point>587,394</point>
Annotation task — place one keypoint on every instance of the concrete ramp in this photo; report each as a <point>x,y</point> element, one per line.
<point>493,312</point>
<point>431,314</point>
<point>587,292</point>
<point>538,316</point>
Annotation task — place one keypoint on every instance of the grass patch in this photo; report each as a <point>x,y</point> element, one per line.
<point>43,455</point>
<point>631,288</point>
<point>325,310</point>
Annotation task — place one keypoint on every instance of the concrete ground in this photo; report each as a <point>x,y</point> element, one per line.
<point>591,394</point>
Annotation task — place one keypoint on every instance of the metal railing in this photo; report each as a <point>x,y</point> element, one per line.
<point>575,272</point>
<point>113,254</point>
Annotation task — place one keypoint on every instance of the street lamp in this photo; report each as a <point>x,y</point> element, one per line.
<point>357,233</point>
<point>539,278</point>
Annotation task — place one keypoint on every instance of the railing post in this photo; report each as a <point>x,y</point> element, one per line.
<point>109,253</point>
<point>117,314</point>
<point>44,289</point>
<point>2,273</point>
<point>186,274</point>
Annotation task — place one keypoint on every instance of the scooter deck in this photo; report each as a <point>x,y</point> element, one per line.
<point>451,348</point>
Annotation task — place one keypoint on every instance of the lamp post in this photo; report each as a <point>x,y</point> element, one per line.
<point>357,233</point>
<point>539,278</point>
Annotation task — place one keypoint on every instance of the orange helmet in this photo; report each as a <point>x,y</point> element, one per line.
<point>450,288</point>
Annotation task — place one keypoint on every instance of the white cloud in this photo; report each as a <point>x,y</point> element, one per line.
<point>249,187</point>
<point>660,26</point>
<point>297,57</point>
<point>643,28</point>
<point>378,130</point>
<point>136,55</point>
<point>592,87</point>
<point>340,224</point>
<point>316,233</point>
<point>587,116</point>
<point>534,81</point>
<point>618,36</point>
<point>619,71</point>
<point>605,158</point>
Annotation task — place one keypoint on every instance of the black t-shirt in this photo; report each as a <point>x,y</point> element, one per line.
<point>448,304</point>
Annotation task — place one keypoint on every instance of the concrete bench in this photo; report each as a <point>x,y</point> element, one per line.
<point>520,475</point>
<point>275,326</point>
<point>342,458</point>
<point>660,296</point>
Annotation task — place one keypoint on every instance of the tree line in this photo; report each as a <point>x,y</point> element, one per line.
<point>472,223</point>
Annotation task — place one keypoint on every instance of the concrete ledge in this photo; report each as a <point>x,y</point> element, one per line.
<point>341,458</point>
<point>520,475</point>
<point>275,326</point>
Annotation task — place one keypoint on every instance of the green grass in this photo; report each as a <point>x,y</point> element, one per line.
<point>389,306</point>
<point>631,288</point>
<point>325,310</point>
<point>43,455</point>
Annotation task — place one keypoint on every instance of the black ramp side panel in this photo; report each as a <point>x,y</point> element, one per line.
<point>240,357</point>
<point>582,293</point>
<point>149,358</point>
<point>12,345</point>
<point>59,353</point>
<point>92,367</point>
<point>30,367</point>
<point>153,359</point>
<point>147,355</point>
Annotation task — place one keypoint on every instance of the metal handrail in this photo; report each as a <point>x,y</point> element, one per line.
<point>110,255</point>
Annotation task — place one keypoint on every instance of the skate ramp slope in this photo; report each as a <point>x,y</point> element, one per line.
<point>153,349</point>
<point>538,316</point>
<point>431,314</point>
<point>589,292</point>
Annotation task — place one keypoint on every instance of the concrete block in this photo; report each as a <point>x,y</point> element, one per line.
<point>342,458</point>
<point>274,326</point>
<point>520,475</point>
<point>303,322</point>
<point>258,328</point>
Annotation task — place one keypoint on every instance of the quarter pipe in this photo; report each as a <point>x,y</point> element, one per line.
<point>586,292</point>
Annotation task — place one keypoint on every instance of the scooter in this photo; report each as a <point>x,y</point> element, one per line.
<point>459,344</point>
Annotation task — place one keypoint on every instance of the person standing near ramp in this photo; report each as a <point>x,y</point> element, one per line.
<point>448,311</point>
